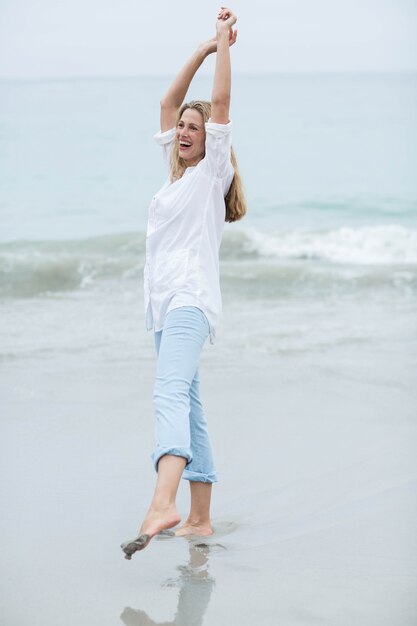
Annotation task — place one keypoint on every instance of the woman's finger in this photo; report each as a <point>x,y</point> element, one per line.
<point>225,11</point>
<point>226,14</point>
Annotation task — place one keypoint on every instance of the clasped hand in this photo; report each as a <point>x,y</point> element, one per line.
<point>225,20</point>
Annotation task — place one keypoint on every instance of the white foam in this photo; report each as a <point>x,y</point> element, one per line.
<point>390,244</point>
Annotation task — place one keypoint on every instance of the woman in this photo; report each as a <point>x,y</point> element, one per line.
<point>181,281</point>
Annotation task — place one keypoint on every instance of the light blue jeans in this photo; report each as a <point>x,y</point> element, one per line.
<point>181,427</point>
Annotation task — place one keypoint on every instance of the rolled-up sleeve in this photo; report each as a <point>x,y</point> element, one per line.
<point>217,160</point>
<point>166,141</point>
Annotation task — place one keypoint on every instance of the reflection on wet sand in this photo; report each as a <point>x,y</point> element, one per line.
<point>195,585</point>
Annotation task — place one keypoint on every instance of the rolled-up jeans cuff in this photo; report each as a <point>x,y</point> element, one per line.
<point>183,452</point>
<point>199,477</point>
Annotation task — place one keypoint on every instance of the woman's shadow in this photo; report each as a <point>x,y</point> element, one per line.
<point>196,586</point>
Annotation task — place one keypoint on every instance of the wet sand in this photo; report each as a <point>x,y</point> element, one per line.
<point>315,512</point>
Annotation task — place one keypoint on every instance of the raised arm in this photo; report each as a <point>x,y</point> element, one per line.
<point>220,97</point>
<point>176,93</point>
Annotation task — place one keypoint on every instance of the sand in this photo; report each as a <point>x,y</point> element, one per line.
<point>314,514</point>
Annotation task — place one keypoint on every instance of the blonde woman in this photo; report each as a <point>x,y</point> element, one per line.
<point>181,281</point>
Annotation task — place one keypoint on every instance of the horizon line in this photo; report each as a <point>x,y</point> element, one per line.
<point>75,77</point>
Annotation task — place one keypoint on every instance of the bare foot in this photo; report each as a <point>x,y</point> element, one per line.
<point>154,522</point>
<point>201,530</point>
<point>158,520</point>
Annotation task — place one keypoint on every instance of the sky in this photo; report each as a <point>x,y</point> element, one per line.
<point>48,38</point>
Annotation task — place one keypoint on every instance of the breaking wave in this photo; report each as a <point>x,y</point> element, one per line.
<point>366,245</point>
<point>367,256</point>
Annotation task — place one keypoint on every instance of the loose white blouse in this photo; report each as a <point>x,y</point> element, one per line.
<point>185,226</point>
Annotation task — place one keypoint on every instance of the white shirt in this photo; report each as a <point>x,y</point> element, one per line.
<point>185,226</point>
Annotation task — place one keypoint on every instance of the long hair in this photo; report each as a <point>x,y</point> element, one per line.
<point>235,201</point>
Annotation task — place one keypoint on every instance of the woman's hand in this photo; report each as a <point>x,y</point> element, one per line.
<point>210,46</point>
<point>225,20</point>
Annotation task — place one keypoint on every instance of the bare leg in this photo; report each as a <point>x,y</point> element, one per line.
<point>198,521</point>
<point>162,513</point>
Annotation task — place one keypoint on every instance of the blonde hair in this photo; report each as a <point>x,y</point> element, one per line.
<point>235,201</point>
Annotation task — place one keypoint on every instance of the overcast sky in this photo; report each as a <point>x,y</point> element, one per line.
<point>49,38</point>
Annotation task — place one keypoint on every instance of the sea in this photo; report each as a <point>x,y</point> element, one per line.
<point>329,168</point>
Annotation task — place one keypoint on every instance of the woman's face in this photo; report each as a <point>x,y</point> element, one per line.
<point>191,135</point>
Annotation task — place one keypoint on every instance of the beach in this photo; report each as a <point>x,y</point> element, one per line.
<point>314,514</point>
<point>309,390</point>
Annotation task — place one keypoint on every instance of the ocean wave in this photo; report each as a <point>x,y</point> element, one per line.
<point>366,245</point>
<point>252,260</point>
<point>31,268</point>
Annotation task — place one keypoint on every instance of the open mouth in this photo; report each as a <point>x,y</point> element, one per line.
<point>184,145</point>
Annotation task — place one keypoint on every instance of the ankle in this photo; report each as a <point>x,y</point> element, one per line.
<point>198,521</point>
<point>162,506</point>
